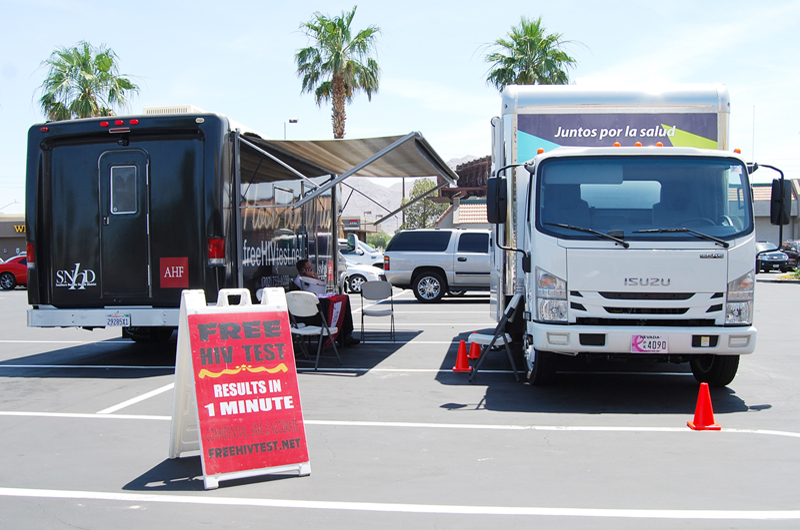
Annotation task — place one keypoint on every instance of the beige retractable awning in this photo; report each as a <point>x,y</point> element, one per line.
<point>390,156</point>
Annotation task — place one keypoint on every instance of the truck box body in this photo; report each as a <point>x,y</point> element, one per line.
<point>642,250</point>
<point>124,213</point>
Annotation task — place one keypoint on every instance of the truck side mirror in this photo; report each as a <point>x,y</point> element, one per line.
<point>496,200</point>
<point>780,205</point>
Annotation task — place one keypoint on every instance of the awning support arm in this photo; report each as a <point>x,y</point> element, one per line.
<point>282,163</point>
<point>331,183</point>
<point>409,203</point>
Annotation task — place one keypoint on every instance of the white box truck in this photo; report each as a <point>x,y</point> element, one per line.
<point>626,225</point>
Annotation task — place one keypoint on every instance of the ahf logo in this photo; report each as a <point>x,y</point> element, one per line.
<point>76,279</point>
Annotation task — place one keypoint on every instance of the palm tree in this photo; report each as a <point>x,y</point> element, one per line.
<point>529,57</point>
<point>339,64</point>
<point>83,81</point>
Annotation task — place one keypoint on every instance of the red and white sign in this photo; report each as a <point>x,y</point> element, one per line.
<point>174,273</point>
<point>248,415</point>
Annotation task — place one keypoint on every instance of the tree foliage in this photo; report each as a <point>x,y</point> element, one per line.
<point>423,213</point>
<point>83,81</point>
<point>529,56</point>
<point>339,63</point>
<point>378,240</point>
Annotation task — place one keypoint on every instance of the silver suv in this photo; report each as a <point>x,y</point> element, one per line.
<point>437,262</point>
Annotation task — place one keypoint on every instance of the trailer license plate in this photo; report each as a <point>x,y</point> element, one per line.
<point>116,320</point>
<point>649,344</point>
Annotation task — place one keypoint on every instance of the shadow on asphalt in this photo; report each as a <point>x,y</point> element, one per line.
<point>588,387</point>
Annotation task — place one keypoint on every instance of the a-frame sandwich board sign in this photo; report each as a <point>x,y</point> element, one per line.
<point>237,401</point>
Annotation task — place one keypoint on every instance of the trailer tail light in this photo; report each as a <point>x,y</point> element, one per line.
<point>216,252</point>
<point>29,257</point>
<point>44,129</point>
<point>386,263</point>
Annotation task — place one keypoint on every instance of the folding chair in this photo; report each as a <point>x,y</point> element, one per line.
<point>302,304</point>
<point>499,338</point>
<point>376,291</point>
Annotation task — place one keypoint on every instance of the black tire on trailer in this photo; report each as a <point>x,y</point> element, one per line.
<point>544,368</point>
<point>716,370</point>
<point>429,286</point>
<point>456,292</point>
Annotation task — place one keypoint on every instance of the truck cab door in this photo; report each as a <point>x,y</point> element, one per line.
<point>124,230</point>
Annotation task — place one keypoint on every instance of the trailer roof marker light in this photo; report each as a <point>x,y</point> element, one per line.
<point>44,129</point>
<point>540,151</point>
<point>134,122</point>
<point>737,151</point>
<point>199,120</point>
<point>617,144</point>
<point>637,144</point>
<point>119,122</point>
<point>659,144</point>
<point>103,124</point>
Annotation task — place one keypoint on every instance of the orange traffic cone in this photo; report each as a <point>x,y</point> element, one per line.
<point>703,414</point>
<point>474,351</point>
<point>462,364</point>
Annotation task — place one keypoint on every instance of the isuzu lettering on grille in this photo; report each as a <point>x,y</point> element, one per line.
<point>646,282</point>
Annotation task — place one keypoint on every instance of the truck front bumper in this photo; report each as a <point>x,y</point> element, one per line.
<point>572,340</point>
<point>49,317</point>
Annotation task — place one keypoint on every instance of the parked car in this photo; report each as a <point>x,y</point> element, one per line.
<point>357,251</point>
<point>433,263</point>
<point>13,272</point>
<point>358,273</point>
<point>792,249</point>
<point>769,258</point>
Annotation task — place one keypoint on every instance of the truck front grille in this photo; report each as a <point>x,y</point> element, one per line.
<point>611,322</point>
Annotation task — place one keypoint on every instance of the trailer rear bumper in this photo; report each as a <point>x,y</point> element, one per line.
<point>571,340</point>
<point>49,317</point>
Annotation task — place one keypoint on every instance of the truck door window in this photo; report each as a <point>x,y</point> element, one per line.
<point>123,190</point>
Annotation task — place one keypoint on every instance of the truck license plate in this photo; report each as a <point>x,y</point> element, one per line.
<point>116,320</point>
<point>649,344</point>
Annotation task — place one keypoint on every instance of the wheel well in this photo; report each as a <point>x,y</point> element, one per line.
<point>422,270</point>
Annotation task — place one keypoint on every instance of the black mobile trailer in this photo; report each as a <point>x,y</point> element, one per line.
<point>123,213</point>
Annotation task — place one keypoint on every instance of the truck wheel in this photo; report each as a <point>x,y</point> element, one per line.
<point>716,370</point>
<point>7,281</point>
<point>429,287</point>
<point>452,292</point>
<point>544,368</point>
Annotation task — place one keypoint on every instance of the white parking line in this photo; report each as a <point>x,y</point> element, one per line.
<point>417,425</point>
<point>449,509</point>
<point>137,399</point>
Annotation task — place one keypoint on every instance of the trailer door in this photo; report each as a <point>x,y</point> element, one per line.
<point>124,231</point>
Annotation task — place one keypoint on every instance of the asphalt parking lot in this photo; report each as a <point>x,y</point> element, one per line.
<point>397,440</point>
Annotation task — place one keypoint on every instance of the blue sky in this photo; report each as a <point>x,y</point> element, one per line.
<point>237,58</point>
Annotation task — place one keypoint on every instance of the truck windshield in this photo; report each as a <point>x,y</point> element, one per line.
<point>643,197</point>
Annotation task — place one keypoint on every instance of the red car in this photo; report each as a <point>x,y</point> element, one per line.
<point>13,271</point>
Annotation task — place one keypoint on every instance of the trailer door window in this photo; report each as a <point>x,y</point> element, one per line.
<point>123,190</point>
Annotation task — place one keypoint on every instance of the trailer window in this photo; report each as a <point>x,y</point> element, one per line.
<point>123,190</point>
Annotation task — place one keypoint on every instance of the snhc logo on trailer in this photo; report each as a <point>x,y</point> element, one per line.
<point>76,278</point>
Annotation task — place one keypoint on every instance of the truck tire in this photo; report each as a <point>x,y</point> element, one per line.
<point>7,281</point>
<point>544,368</point>
<point>429,287</point>
<point>716,370</point>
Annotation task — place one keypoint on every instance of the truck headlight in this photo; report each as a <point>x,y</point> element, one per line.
<point>551,297</point>
<point>739,306</point>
